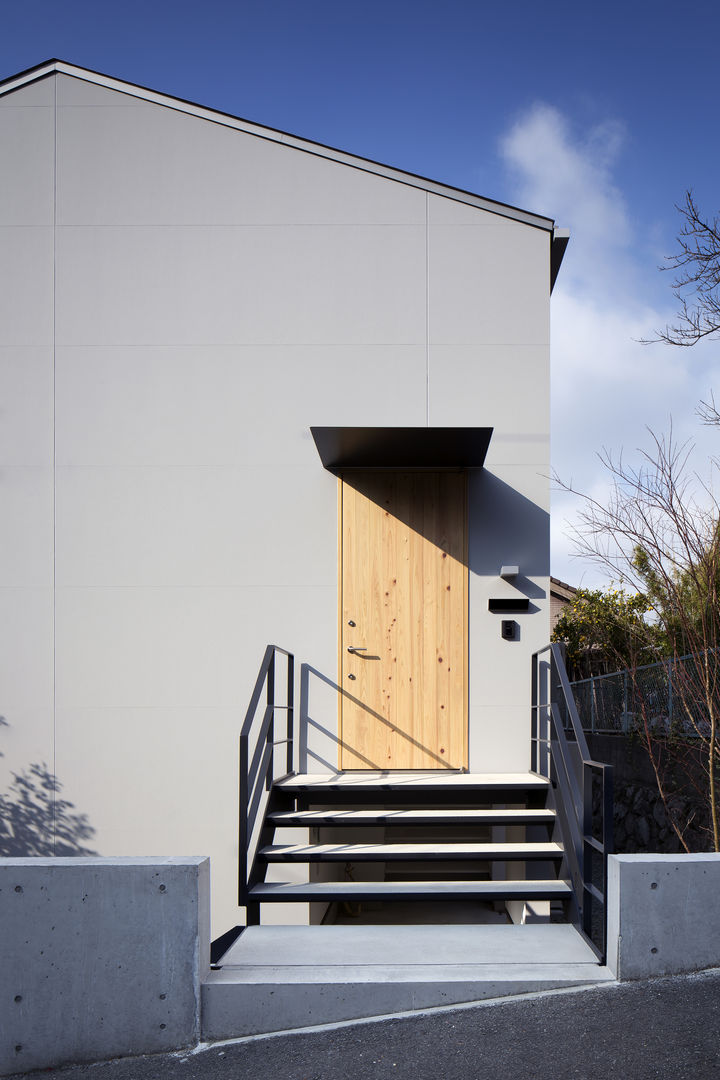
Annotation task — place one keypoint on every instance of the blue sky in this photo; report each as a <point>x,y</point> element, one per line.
<point>598,115</point>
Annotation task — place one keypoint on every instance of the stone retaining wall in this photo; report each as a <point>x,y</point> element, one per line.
<point>641,819</point>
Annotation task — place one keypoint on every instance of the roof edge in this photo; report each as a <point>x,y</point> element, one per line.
<point>469,198</point>
<point>558,244</point>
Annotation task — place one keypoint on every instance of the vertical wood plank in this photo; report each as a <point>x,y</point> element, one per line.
<point>404,584</point>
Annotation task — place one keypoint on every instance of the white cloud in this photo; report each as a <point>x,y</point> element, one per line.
<point>574,175</point>
<point>607,387</point>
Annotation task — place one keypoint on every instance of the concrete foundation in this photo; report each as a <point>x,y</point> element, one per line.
<point>101,957</point>
<point>110,957</point>
<point>281,977</point>
<point>663,914</point>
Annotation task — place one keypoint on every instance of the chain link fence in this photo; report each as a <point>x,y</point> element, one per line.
<point>670,696</point>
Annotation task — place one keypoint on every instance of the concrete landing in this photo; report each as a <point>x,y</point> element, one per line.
<point>276,978</point>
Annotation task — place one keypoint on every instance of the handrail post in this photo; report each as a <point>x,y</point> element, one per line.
<point>546,678</point>
<point>244,797</point>
<point>256,768</point>
<point>534,717</point>
<point>270,699</point>
<point>608,831</point>
<point>587,832</point>
<point>290,729</point>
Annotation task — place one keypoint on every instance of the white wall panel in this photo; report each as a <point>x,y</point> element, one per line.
<point>26,286</point>
<point>26,536</point>
<point>217,285</point>
<point>501,670</point>
<point>33,95</point>
<point>506,387</point>
<point>26,649</point>
<point>177,792</point>
<point>27,122</point>
<point>159,166</point>
<point>489,285</point>
<point>211,526</point>
<point>529,448</point>
<point>500,736</point>
<point>26,407</point>
<point>531,483</point>
<point>26,771</point>
<point>168,808</point>
<point>27,137</point>
<point>448,211</point>
<point>232,405</point>
<point>509,525</point>
<point>182,647</point>
<point>72,91</point>
<point>26,741</point>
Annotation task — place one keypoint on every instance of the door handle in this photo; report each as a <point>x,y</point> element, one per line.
<point>357,648</point>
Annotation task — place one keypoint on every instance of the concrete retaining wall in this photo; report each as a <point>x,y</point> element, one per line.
<point>100,957</point>
<point>663,914</point>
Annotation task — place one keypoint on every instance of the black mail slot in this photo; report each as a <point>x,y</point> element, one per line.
<point>512,606</point>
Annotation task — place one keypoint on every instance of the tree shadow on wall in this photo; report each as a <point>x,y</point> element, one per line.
<point>34,820</point>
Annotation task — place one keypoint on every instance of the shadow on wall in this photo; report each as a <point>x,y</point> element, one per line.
<point>34,820</point>
<point>504,526</point>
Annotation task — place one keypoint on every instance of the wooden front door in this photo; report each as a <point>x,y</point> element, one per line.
<point>404,608</point>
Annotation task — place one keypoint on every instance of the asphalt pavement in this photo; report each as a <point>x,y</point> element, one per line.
<point>641,1030</point>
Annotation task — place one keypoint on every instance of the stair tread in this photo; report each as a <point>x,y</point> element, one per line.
<point>382,852</point>
<point>411,817</point>
<point>385,890</point>
<point>392,780</point>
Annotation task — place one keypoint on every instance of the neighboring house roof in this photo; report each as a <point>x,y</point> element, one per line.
<point>561,594</point>
<point>559,237</point>
<point>562,590</point>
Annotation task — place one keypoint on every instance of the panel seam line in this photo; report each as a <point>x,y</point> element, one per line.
<point>427,309</point>
<point>54,471</point>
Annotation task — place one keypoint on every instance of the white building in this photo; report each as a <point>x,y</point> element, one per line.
<point>184,295</point>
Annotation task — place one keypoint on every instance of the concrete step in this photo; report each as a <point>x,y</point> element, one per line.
<point>353,891</point>
<point>390,852</point>
<point>341,818</point>
<point>276,978</point>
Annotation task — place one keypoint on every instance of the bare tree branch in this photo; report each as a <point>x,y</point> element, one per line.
<point>708,412</point>
<point>696,285</point>
<point>658,533</point>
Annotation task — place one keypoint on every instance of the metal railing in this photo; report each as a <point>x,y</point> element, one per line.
<point>582,790</point>
<point>670,695</point>
<point>257,764</point>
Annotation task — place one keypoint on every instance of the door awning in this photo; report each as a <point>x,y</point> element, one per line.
<point>401,447</point>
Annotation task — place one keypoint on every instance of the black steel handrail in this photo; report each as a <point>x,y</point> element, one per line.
<point>257,761</point>
<point>560,752</point>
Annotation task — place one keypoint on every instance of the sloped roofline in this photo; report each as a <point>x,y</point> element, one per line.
<point>56,66</point>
